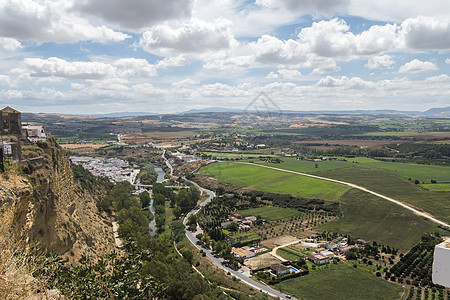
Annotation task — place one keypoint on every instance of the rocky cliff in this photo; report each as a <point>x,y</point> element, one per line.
<point>46,204</point>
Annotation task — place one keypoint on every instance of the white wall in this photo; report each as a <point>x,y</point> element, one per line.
<point>441,264</point>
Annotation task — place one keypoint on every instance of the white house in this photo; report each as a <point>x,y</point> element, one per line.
<point>441,264</point>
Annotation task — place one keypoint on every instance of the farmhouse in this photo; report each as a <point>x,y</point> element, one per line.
<point>319,259</point>
<point>242,252</point>
<point>280,270</point>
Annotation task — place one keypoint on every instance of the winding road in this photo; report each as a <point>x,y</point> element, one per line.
<point>218,261</point>
<point>402,204</point>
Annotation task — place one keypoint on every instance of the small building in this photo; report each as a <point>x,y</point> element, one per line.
<point>319,259</point>
<point>35,133</point>
<point>280,270</point>
<point>240,252</point>
<point>10,121</point>
<point>225,225</point>
<point>250,218</point>
<point>345,249</point>
<point>332,247</point>
<point>327,253</point>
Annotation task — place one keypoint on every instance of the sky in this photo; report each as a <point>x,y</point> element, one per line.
<point>160,56</point>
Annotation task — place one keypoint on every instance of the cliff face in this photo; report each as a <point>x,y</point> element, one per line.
<point>49,206</point>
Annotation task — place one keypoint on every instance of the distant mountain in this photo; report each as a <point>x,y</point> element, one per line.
<point>441,112</point>
<point>213,109</point>
<point>123,114</point>
<point>438,112</point>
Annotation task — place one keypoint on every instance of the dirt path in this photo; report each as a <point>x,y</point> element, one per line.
<point>274,250</point>
<point>117,240</point>
<point>417,212</point>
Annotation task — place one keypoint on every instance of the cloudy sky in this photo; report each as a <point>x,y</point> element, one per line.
<point>97,56</point>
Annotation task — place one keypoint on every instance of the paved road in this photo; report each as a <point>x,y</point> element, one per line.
<point>217,261</point>
<point>417,212</point>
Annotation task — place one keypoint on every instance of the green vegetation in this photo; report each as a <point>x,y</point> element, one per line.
<point>258,178</point>
<point>404,133</point>
<point>292,253</point>
<point>371,218</point>
<point>147,174</point>
<point>340,281</point>
<point>232,155</point>
<point>437,187</point>
<point>270,213</point>
<point>243,238</point>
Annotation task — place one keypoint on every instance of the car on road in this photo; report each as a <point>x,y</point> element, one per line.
<point>288,297</point>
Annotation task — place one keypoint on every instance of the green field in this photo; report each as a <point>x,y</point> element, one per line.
<point>270,213</point>
<point>264,179</point>
<point>341,281</point>
<point>387,178</point>
<point>243,238</point>
<point>407,170</point>
<point>232,155</point>
<point>404,133</point>
<point>437,187</point>
<point>292,253</point>
<point>373,219</point>
<point>392,185</point>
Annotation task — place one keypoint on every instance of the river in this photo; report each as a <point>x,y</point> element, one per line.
<point>159,179</point>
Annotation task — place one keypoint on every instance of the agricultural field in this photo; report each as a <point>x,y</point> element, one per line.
<point>437,187</point>
<point>390,184</point>
<point>341,281</point>
<point>243,238</point>
<point>263,179</point>
<point>373,219</point>
<point>270,213</point>
<point>425,134</point>
<point>423,173</point>
<point>387,178</point>
<point>232,155</point>
<point>293,252</point>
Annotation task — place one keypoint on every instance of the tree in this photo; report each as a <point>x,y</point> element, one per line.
<point>159,199</point>
<point>178,230</point>
<point>177,212</point>
<point>145,199</point>
<point>192,222</point>
<point>233,226</point>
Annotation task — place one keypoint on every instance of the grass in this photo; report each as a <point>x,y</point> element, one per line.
<point>371,218</point>
<point>270,213</point>
<point>263,179</point>
<point>292,253</point>
<point>244,238</point>
<point>437,187</point>
<point>341,281</point>
<point>404,133</point>
<point>221,155</point>
<point>392,185</point>
<point>387,178</point>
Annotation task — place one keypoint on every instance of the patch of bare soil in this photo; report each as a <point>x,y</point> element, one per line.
<point>278,241</point>
<point>262,260</point>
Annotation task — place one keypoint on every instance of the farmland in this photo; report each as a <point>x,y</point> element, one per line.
<point>232,155</point>
<point>258,178</point>
<point>270,213</point>
<point>387,178</point>
<point>371,218</point>
<point>341,281</point>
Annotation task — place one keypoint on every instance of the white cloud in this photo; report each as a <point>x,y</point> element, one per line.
<point>136,14</point>
<point>345,82</point>
<point>57,67</point>
<point>50,21</point>
<point>320,7</point>
<point>77,86</point>
<point>270,49</point>
<point>416,66</point>
<point>447,61</point>
<point>173,61</point>
<point>184,82</point>
<point>380,62</point>
<point>133,66</point>
<point>423,33</point>
<point>9,44</point>
<point>286,74</point>
<point>5,80</point>
<point>196,36</point>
